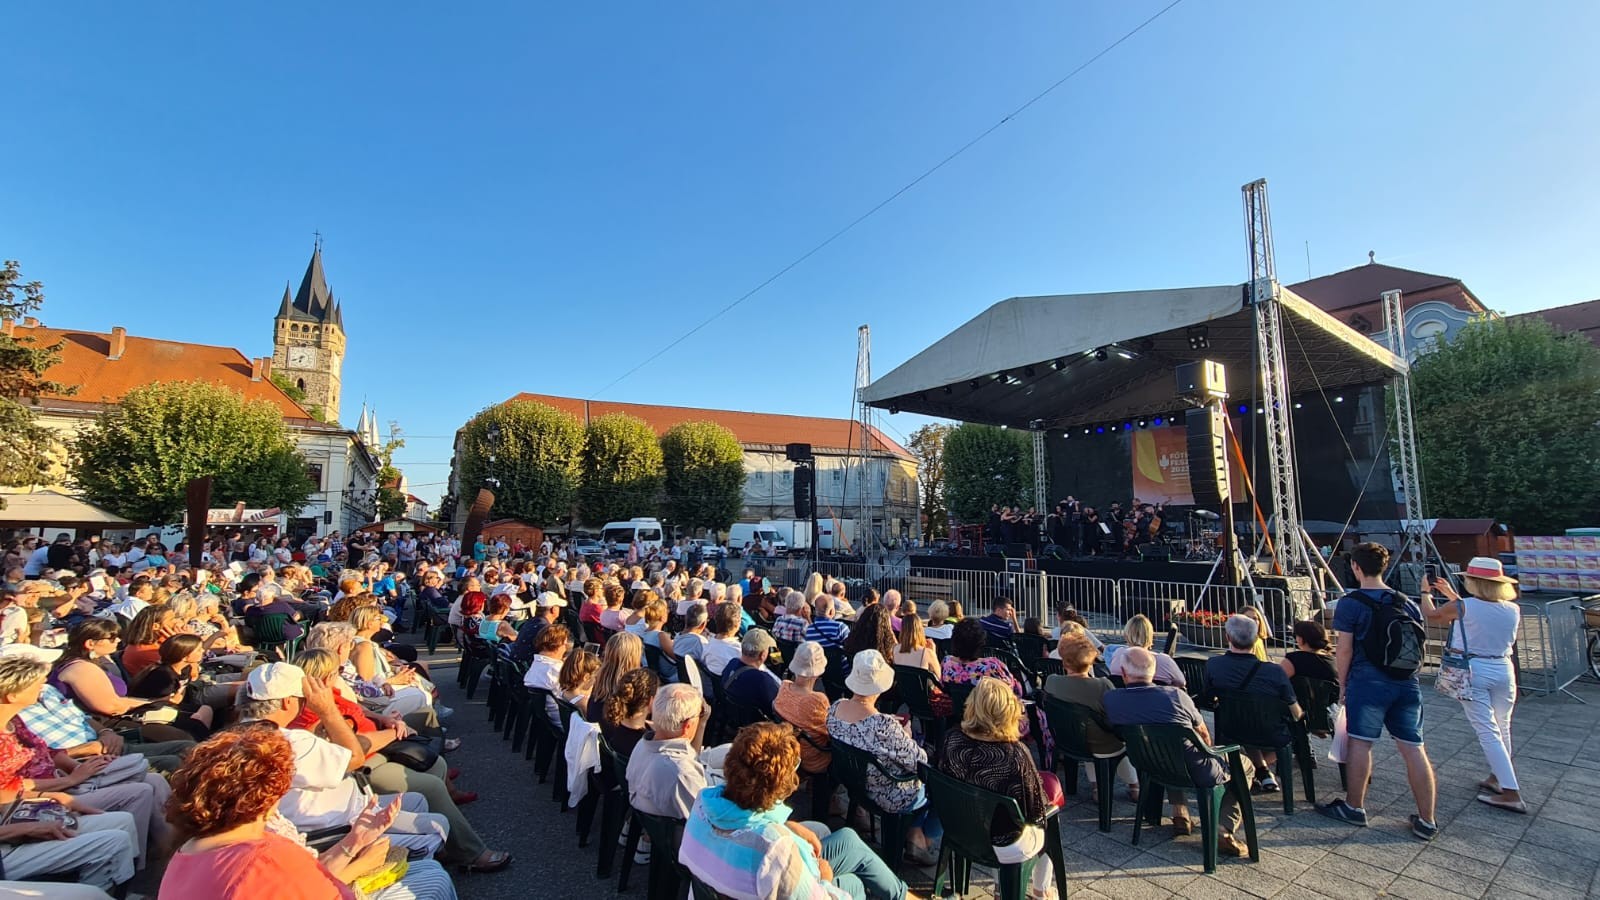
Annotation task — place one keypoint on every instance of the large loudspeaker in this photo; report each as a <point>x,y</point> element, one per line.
<point>1208,461</point>
<point>804,498</point>
<point>799,452</point>
<point>197,500</point>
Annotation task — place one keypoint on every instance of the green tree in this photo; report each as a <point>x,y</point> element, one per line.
<point>1506,426</point>
<point>704,475</point>
<point>622,470</point>
<point>927,445</point>
<point>137,458</point>
<point>28,450</point>
<point>528,454</point>
<point>391,500</point>
<point>985,465</point>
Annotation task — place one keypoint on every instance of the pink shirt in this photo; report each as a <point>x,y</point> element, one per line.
<point>270,867</point>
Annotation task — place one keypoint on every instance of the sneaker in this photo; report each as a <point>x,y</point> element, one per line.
<point>1423,830</point>
<point>1344,812</point>
<point>1269,784</point>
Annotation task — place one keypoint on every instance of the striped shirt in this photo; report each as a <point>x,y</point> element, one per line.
<point>828,632</point>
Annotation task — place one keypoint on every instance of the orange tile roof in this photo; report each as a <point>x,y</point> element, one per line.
<point>104,381</point>
<point>748,427</point>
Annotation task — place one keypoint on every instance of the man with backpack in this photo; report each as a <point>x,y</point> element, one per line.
<point>1381,639</point>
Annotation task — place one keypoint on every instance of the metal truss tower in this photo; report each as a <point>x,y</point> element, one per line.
<point>1289,543</point>
<point>1417,544</point>
<point>1041,502</point>
<point>866,538</point>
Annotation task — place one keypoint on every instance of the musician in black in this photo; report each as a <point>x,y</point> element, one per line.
<point>1091,532</point>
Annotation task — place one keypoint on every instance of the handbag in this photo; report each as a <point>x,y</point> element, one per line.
<point>416,753</point>
<point>1455,670</point>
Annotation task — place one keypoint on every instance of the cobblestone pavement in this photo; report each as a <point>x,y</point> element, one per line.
<point>1551,853</point>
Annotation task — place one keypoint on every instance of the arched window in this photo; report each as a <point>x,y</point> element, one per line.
<point>300,383</point>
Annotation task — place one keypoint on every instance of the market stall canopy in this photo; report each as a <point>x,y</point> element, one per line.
<point>1078,359</point>
<point>400,526</point>
<point>47,508</point>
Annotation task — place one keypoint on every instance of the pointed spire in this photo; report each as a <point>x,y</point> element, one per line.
<point>337,317</point>
<point>283,309</point>
<point>313,300</point>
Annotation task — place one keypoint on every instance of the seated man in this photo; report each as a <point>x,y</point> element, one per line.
<point>1142,702</point>
<point>664,772</point>
<point>691,641</point>
<point>322,794</point>
<point>1002,623</point>
<point>824,628</point>
<point>791,626</point>
<point>723,647</point>
<point>747,679</point>
<point>1240,670</point>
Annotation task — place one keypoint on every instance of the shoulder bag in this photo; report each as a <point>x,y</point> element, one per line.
<point>1455,670</point>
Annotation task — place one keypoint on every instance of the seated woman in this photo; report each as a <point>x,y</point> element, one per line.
<point>1312,657</point>
<point>1140,633</point>
<point>615,617</point>
<point>654,615</point>
<point>27,766</point>
<point>1081,686</point>
<point>594,601</point>
<point>154,624</point>
<point>800,704</point>
<point>406,689</point>
<point>201,615</point>
<point>85,675</point>
<point>740,842</point>
<point>340,638</point>
<point>236,846</point>
<point>939,627</point>
<point>965,663</point>
<point>623,722</point>
<point>179,666</point>
<point>987,751</point>
<point>550,650</point>
<point>493,627</point>
<point>622,654</point>
<point>1263,631</point>
<point>914,648</point>
<point>576,679</point>
<point>856,721</point>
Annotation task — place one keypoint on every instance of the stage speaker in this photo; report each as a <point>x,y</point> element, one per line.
<point>1053,551</point>
<point>804,492</point>
<point>799,452</point>
<point>1016,551</point>
<point>1155,553</point>
<point>993,550</point>
<point>1202,380</point>
<point>1208,461</point>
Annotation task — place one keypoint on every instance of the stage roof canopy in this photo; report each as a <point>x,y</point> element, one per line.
<point>1034,360</point>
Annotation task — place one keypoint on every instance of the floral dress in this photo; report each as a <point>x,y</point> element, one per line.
<point>884,737</point>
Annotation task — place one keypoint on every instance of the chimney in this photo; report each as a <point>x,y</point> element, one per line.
<point>260,367</point>
<point>30,322</point>
<point>8,326</point>
<point>119,342</point>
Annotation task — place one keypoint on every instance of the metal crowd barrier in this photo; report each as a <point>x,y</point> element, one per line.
<point>1552,649</point>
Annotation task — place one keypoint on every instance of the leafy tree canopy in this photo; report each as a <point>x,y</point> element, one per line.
<point>927,445</point>
<point>985,465</point>
<point>623,473</point>
<point>28,450</point>
<point>529,454</point>
<point>1506,420</point>
<point>137,458</point>
<point>704,475</point>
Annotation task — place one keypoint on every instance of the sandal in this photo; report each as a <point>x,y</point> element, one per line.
<point>1516,806</point>
<point>488,861</point>
<point>1184,825</point>
<point>452,744</point>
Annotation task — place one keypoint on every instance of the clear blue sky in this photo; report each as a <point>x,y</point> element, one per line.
<point>537,196</point>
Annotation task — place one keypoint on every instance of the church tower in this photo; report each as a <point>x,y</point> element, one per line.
<point>308,339</point>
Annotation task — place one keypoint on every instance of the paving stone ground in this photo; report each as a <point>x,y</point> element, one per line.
<point>1549,854</point>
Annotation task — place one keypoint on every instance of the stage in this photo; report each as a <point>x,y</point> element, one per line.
<point>1115,568</point>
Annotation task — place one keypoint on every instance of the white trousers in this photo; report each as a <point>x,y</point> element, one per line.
<point>1028,845</point>
<point>415,828</point>
<point>144,799</point>
<point>425,880</point>
<point>1494,694</point>
<point>101,852</point>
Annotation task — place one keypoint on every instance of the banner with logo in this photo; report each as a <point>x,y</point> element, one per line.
<point>1161,466</point>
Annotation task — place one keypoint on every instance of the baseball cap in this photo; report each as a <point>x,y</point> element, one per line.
<point>551,598</point>
<point>274,681</point>
<point>757,643</point>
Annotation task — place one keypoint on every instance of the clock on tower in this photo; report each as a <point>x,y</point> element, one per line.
<point>308,341</point>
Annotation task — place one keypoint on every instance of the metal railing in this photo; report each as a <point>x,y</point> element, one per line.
<point>1552,649</point>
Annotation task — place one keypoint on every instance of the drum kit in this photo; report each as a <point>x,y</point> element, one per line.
<point>1205,538</point>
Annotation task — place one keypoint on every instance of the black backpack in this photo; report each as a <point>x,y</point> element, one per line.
<point>1394,641</point>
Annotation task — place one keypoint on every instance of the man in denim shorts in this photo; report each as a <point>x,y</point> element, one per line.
<point>1374,701</point>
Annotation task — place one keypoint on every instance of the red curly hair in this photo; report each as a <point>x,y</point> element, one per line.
<point>762,767</point>
<point>234,778</point>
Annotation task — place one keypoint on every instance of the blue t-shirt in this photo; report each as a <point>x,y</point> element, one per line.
<point>1353,617</point>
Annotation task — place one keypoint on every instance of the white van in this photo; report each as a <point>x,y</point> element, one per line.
<point>618,536</point>
<point>743,534</point>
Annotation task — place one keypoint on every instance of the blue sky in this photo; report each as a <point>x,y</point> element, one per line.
<point>537,197</point>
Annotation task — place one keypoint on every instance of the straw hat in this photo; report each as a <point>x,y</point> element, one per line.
<point>1487,569</point>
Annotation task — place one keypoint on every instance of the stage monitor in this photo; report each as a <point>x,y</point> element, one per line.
<point>1202,381</point>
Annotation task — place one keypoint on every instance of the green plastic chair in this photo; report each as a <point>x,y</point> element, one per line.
<point>1070,724</point>
<point>1158,752</point>
<point>1258,722</point>
<point>915,685</point>
<point>958,699</point>
<point>703,891</point>
<point>668,877</point>
<point>850,768</point>
<point>270,636</point>
<point>967,811</point>
<point>1316,699</point>
<point>1194,678</point>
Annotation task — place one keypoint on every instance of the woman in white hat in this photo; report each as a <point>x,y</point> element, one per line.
<point>857,722</point>
<point>1486,622</point>
<point>800,704</point>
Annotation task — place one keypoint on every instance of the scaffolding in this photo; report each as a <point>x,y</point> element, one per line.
<point>1416,544</point>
